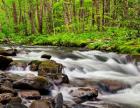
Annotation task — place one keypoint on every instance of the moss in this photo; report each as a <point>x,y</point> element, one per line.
<point>41,80</point>
<point>49,63</point>
<point>50,69</point>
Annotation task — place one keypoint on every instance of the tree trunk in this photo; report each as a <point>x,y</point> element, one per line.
<point>20,12</point>
<point>125,10</point>
<point>15,18</point>
<point>106,12</point>
<point>67,14</point>
<point>81,15</point>
<point>40,16</point>
<point>49,16</point>
<point>93,14</point>
<point>32,17</point>
<point>114,15</point>
<point>97,4</point>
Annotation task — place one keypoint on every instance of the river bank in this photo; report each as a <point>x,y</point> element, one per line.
<point>113,40</point>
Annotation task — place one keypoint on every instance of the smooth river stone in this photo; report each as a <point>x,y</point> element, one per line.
<point>29,94</point>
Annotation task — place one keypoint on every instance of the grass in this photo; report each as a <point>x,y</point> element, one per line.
<point>119,40</point>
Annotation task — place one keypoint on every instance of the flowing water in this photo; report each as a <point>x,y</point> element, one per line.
<point>86,67</point>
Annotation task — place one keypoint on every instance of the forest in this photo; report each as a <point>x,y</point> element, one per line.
<point>69,53</point>
<point>107,25</point>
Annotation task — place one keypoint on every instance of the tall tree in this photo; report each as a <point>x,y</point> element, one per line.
<point>106,12</point>
<point>93,13</point>
<point>40,15</point>
<point>49,16</point>
<point>81,15</point>
<point>15,17</point>
<point>32,16</point>
<point>125,9</point>
<point>97,4</point>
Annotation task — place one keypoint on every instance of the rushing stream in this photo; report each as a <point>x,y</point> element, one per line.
<point>84,68</point>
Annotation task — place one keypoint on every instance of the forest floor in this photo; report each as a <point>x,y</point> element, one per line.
<point>114,40</point>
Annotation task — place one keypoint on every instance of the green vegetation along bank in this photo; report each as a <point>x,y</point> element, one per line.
<point>119,40</point>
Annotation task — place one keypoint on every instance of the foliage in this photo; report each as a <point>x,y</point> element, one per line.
<point>114,26</point>
<point>120,40</point>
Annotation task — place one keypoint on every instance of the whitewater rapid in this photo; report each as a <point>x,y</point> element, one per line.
<point>90,66</point>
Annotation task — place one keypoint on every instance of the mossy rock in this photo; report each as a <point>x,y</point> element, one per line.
<point>41,80</point>
<point>41,104</point>
<point>9,52</point>
<point>35,83</point>
<point>15,105</point>
<point>50,68</point>
<point>34,65</point>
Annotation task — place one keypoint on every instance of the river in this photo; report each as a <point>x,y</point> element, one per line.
<point>84,68</point>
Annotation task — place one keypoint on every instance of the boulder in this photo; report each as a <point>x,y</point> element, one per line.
<point>6,89</point>
<point>59,101</point>
<point>33,83</point>
<point>34,65</point>
<point>20,65</point>
<point>41,104</point>
<point>6,85</point>
<point>30,94</point>
<point>50,68</point>
<point>1,106</point>
<point>4,62</point>
<point>112,86</point>
<point>5,97</point>
<point>15,100</point>
<point>46,56</point>
<point>65,79</point>
<point>15,105</point>
<point>99,104</point>
<point>3,76</point>
<point>9,52</point>
<point>84,93</point>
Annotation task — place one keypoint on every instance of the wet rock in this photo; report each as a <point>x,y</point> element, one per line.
<point>112,85</point>
<point>5,97</point>
<point>136,57</point>
<point>29,75</point>
<point>5,89</point>
<point>65,79</point>
<point>18,64</point>
<point>5,79</point>
<point>84,94</point>
<point>30,94</point>
<point>4,62</point>
<point>34,83</point>
<point>41,104</point>
<point>59,101</point>
<point>61,79</point>
<point>1,106</point>
<point>15,105</point>
<point>15,100</point>
<point>101,58</point>
<point>126,59</point>
<point>100,104</point>
<point>6,85</point>
<point>9,52</point>
<point>34,65</point>
<point>46,56</point>
<point>13,77</point>
<point>50,68</point>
